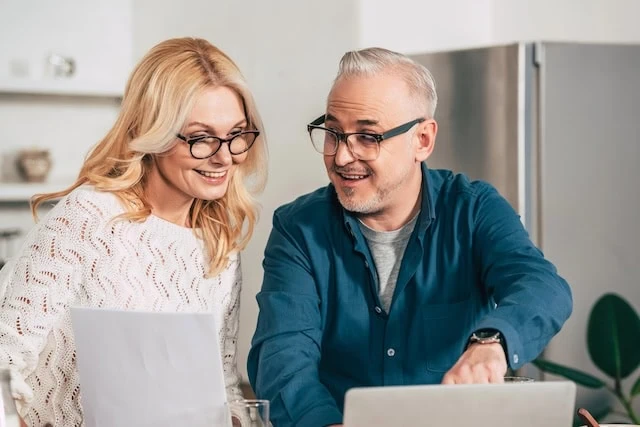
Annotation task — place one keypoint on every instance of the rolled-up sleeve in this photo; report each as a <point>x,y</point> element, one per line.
<point>533,301</point>
<point>286,348</point>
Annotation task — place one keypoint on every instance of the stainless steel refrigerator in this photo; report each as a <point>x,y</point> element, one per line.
<point>556,128</point>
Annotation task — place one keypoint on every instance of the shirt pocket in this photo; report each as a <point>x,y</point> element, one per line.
<point>446,329</point>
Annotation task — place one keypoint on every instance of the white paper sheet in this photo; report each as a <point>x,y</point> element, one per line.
<point>149,369</point>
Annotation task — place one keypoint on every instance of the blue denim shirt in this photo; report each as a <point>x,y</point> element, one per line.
<point>469,265</point>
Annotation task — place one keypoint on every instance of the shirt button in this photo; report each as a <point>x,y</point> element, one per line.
<point>378,310</point>
<point>515,358</point>
<point>366,263</point>
<point>391,352</point>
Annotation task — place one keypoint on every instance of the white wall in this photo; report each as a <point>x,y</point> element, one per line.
<point>566,20</point>
<point>411,26</point>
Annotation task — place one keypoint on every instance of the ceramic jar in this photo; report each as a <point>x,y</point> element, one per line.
<point>34,164</point>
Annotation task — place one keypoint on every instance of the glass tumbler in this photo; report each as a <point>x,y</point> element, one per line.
<point>249,413</point>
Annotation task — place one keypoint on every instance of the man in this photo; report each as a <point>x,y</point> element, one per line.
<point>394,273</point>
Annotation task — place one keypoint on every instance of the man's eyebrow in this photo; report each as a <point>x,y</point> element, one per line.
<point>361,122</point>
<point>367,122</point>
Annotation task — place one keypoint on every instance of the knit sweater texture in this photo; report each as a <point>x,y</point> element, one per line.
<point>79,255</point>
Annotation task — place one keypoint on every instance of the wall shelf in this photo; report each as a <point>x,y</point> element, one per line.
<point>71,47</point>
<point>23,191</point>
<point>60,87</point>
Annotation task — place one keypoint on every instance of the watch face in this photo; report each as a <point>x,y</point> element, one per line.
<point>488,334</point>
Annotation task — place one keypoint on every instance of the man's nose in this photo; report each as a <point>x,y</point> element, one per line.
<point>344,155</point>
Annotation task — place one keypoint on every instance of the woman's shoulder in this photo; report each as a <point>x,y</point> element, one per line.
<point>86,200</point>
<point>74,221</point>
<point>84,208</point>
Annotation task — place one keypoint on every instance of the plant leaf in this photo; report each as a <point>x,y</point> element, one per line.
<point>635,390</point>
<point>613,334</point>
<point>574,375</point>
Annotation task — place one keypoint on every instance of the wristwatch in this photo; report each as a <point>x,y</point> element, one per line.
<point>486,336</point>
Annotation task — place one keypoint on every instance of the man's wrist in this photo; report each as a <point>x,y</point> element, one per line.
<point>488,336</point>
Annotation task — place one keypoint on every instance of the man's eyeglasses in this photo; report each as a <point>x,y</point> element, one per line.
<point>205,146</point>
<point>363,146</point>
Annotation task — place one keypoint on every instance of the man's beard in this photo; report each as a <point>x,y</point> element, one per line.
<point>368,206</point>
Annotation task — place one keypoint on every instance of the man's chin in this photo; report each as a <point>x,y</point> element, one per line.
<point>355,205</point>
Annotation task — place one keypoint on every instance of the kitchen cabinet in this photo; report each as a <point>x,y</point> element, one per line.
<point>65,47</point>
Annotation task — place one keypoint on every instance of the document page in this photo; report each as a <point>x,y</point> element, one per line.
<point>149,369</point>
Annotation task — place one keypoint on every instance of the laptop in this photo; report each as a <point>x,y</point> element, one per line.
<point>537,404</point>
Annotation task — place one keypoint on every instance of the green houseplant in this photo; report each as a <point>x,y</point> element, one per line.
<point>613,343</point>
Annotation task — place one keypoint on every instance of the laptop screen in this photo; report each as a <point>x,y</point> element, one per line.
<point>536,404</point>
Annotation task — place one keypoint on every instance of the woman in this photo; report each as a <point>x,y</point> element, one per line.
<point>161,208</point>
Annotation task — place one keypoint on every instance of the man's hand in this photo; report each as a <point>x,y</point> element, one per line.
<point>480,363</point>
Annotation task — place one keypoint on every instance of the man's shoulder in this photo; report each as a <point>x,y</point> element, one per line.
<point>457,185</point>
<point>316,204</point>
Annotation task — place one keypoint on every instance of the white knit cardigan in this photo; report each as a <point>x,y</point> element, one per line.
<point>79,256</point>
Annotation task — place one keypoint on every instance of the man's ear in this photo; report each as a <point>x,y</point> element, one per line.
<point>426,135</point>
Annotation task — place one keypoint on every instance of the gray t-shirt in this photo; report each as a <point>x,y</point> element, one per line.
<point>387,249</point>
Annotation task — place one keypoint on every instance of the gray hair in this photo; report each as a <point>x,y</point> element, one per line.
<point>376,60</point>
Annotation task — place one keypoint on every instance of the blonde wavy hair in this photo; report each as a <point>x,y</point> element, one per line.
<point>158,99</point>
